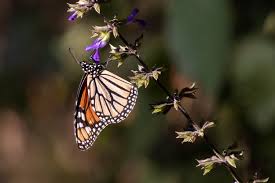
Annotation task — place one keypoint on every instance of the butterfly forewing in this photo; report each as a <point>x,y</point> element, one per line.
<point>85,118</point>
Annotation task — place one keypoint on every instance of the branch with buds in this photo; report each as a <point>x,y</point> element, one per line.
<point>142,77</point>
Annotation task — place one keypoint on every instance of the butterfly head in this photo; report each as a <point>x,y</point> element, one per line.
<point>93,69</point>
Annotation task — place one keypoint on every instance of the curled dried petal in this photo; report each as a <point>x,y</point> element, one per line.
<point>81,7</point>
<point>208,164</point>
<point>142,77</point>
<point>261,180</point>
<point>161,108</point>
<point>191,136</point>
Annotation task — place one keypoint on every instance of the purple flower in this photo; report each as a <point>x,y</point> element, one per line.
<point>73,16</point>
<point>132,18</point>
<point>81,7</point>
<point>96,56</point>
<point>97,44</point>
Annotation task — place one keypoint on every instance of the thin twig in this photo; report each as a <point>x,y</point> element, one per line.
<point>185,113</point>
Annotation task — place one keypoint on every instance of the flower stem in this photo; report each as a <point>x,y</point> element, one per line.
<point>157,81</point>
<point>144,64</point>
<point>232,172</point>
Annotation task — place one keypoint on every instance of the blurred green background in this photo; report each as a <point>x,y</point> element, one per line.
<point>226,47</point>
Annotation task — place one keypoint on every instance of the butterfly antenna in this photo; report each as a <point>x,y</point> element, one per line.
<point>105,64</point>
<point>73,55</point>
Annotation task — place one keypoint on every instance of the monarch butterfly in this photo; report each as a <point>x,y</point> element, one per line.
<point>103,98</point>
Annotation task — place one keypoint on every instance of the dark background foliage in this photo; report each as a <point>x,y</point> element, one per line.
<point>227,47</point>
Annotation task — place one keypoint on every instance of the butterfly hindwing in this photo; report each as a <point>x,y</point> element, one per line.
<point>112,97</point>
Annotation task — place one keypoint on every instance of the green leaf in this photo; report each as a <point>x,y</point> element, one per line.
<point>208,164</point>
<point>176,105</point>
<point>158,108</point>
<point>208,124</point>
<point>155,75</point>
<point>115,32</point>
<point>261,180</point>
<point>208,168</point>
<point>187,136</point>
<point>231,161</point>
<point>120,62</point>
<point>97,8</point>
